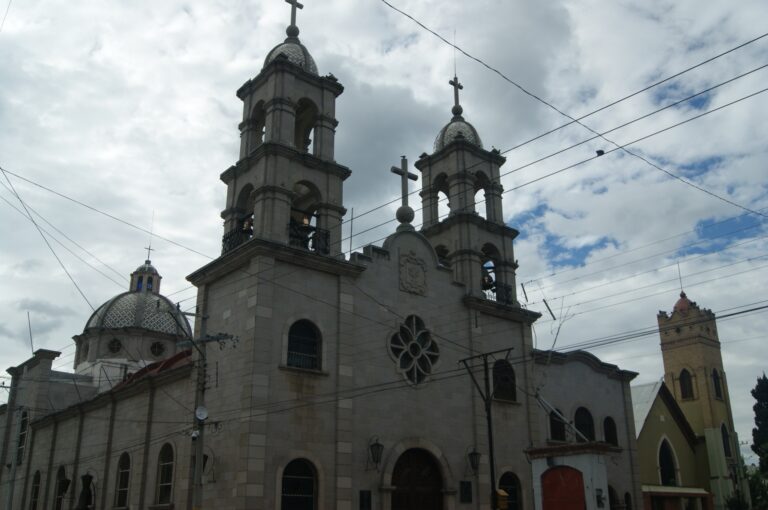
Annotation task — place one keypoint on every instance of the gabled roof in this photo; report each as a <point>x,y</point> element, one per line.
<point>643,397</point>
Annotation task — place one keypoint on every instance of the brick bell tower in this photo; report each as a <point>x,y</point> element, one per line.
<point>286,186</point>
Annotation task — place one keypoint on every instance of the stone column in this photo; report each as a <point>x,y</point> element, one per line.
<point>325,132</point>
<point>461,193</point>
<point>429,198</point>
<point>280,121</point>
<point>494,212</point>
<point>271,213</point>
<point>329,219</point>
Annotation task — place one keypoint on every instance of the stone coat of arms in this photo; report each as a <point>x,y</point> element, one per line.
<point>413,274</point>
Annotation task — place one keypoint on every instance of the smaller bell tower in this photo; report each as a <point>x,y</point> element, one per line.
<point>472,237</point>
<point>693,365</point>
<point>286,186</point>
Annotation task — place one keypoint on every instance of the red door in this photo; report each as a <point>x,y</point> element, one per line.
<point>562,488</point>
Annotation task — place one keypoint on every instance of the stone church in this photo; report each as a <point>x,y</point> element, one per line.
<point>317,381</point>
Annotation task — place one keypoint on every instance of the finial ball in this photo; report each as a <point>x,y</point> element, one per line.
<point>404,214</point>
<point>292,31</point>
<point>457,110</point>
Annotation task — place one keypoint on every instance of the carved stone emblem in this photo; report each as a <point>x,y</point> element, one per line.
<point>413,274</point>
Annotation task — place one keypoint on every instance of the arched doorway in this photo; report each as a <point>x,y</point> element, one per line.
<point>562,488</point>
<point>417,482</point>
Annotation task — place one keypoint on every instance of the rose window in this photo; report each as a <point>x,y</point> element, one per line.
<point>414,350</point>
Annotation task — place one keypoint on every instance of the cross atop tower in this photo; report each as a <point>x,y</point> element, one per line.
<point>149,249</point>
<point>456,88</point>
<point>294,5</point>
<point>404,176</point>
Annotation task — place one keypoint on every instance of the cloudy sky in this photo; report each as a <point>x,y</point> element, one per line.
<point>130,108</point>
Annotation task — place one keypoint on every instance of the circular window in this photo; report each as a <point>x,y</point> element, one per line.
<point>157,349</point>
<point>414,350</point>
<point>115,345</point>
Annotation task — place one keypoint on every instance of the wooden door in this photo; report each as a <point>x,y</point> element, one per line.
<point>562,488</point>
<point>417,481</point>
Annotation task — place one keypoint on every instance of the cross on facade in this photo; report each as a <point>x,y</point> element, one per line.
<point>404,176</point>
<point>456,88</point>
<point>294,5</point>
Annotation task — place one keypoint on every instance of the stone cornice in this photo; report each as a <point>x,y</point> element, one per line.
<point>283,65</point>
<point>560,358</point>
<point>241,256</point>
<point>286,151</point>
<point>503,311</point>
<point>459,144</point>
<point>569,449</point>
<point>473,218</point>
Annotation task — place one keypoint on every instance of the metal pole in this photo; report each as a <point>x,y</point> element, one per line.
<point>197,497</point>
<point>489,419</point>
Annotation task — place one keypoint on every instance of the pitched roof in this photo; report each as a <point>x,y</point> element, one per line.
<point>643,397</point>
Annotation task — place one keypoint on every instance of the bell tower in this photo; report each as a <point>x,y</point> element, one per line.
<point>472,238</point>
<point>693,366</point>
<point>286,186</point>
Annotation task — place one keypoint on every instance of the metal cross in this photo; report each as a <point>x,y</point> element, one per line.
<point>149,249</point>
<point>294,5</point>
<point>404,176</point>
<point>456,88</point>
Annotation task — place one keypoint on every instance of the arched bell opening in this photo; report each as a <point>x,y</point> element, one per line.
<point>443,255</point>
<point>483,206</point>
<point>306,119</point>
<point>257,127</point>
<point>489,278</point>
<point>303,227</point>
<point>442,204</point>
<point>241,229</point>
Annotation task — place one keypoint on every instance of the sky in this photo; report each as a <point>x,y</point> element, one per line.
<point>130,109</point>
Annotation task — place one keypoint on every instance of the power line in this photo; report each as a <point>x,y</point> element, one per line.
<point>8,8</point>
<point>564,114</point>
<point>39,230</point>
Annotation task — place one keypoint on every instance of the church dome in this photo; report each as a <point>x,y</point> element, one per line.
<point>146,268</point>
<point>683,305</point>
<point>457,129</point>
<point>144,310</point>
<point>294,51</point>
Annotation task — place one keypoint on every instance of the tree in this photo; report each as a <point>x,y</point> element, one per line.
<point>760,432</point>
<point>758,488</point>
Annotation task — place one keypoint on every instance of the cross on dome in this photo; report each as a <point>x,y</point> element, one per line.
<point>457,109</point>
<point>293,30</point>
<point>149,249</point>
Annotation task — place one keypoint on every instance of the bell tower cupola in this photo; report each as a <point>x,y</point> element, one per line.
<point>471,236</point>
<point>286,186</point>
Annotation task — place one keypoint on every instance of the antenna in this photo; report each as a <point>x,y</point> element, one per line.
<point>680,276</point>
<point>29,325</point>
<point>151,235</point>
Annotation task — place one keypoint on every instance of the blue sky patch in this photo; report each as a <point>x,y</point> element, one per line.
<point>700,167</point>
<point>717,235</point>
<point>669,93</point>
<point>560,255</point>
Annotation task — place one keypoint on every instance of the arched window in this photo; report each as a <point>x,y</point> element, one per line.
<point>686,386</point>
<point>556,426</point>
<point>299,487</point>
<point>667,467</point>
<point>609,431</point>
<point>306,116</point>
<point>123,481</point>
<point>304,344</point>
<point>510,484</point>
<point>62,485</point>
<point>726,440</point>
<point>504,381</point>
<point>627,501</point>
<point>139,283</point>
<point>34,493</point>
<point>613,498</point>
<point>164,494</point>
<point>22,438</point>
<point>584,424</point>
<point>716,384</point>
<point>442,203</point>
<point>482,204</point>
<point>149,283</point>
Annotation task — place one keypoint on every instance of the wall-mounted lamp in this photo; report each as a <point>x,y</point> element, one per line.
<point>474,460</point>
<point>375,450</point>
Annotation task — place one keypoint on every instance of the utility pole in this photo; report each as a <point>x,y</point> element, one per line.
<point>487,395</point>
<point>201,412</point>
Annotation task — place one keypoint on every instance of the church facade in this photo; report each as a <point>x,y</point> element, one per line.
<point>315,381</point>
